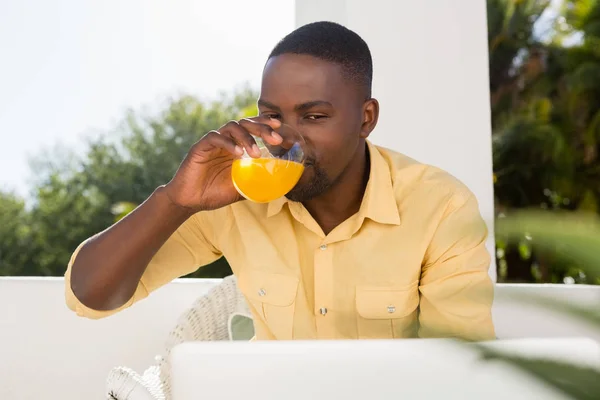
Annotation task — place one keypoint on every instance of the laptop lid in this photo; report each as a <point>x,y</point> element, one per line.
<point>357,369</point>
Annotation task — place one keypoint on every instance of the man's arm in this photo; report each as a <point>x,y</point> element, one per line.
<point>456,290</point>
<point>165,237</point>
<point>153,245</point>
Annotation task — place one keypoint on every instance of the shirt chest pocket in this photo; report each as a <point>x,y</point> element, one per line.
<point>387,312</point>
<point>273,298</point>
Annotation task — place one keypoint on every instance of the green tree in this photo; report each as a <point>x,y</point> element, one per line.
<point>78,196</point>
<point>15,235</point>
<point>545,98</point>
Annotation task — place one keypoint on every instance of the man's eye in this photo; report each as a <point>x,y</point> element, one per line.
<point>271,115</point>
<point>315,117</point>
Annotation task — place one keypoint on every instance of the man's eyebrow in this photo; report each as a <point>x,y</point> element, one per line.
<point>299,107</point>
<point>310,104</point>
<point>266,104</point>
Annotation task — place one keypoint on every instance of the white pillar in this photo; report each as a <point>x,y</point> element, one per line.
<point>431,78</point>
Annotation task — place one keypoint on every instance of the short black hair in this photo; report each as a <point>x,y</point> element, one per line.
<point>332,42</point>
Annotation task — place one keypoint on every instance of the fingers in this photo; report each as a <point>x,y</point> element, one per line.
<point>264,128</point>
<point>282,137</point>
<point>241,136</point>
<point>215,139</point>
<point>272,122</point>
<point>245,131</point>
<point>235,136</point>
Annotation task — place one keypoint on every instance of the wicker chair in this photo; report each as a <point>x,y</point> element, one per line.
<point>206,320</point>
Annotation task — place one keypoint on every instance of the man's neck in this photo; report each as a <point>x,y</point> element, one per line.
<point>345,196</point>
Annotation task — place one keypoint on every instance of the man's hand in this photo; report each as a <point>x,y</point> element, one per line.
<point>106,272</point>
<point>203,181</point>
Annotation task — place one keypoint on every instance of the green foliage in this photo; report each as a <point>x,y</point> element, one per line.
<point>545,97</point>
<point>573,237</point>
<point>16,233</point>
<point>76,197</point>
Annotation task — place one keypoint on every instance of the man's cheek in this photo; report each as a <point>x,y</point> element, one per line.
<point>307,175</point>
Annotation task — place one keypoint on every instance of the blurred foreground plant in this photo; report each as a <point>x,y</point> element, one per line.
<point>570,236</point>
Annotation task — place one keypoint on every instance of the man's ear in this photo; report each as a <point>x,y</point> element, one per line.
<point>370,117</point>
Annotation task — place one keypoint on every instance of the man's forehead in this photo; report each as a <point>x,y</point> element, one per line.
<point>300,68</point>
<point>302,78</point>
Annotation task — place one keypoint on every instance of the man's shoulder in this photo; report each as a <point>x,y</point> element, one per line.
<point>411,177</point>
<point>220,218</point>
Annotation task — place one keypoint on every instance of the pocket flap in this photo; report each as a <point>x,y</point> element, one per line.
<point>269,287</point>
<point>380,302</point>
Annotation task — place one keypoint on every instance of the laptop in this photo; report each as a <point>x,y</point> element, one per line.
<point>365,369</point>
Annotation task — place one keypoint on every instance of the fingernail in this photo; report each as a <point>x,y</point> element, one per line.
<point>239,150</point>
<point>276,135</point>
<point>255,149</point>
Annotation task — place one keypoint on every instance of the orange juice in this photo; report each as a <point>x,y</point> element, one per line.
<point>265,179</point>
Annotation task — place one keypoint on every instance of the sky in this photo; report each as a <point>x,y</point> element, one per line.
<point>70,68</point>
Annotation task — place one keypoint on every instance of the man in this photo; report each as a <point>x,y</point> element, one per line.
<point>369,244</point>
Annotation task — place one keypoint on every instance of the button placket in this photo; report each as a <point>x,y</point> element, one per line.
<point>323,284</point>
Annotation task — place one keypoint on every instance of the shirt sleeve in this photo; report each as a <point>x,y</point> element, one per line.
<point>190,247</point>
<point>456,289</point>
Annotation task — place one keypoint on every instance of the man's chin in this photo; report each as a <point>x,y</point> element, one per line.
<point>301,192</point>
<point>312,183</point>
<point>295,196</point>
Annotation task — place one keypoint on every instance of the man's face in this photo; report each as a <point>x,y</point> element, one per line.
<point>313,96</point>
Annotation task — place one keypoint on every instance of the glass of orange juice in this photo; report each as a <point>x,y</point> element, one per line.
<point>275,172</point>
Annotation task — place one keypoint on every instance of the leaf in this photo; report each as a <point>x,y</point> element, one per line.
<point>524,250</point>
<point>543,109</point>
<point>577,382</point>
<point>577,12</point>
<point>593,130</point>
<point>586,77</point>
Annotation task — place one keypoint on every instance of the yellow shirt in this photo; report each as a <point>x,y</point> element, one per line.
<point>411,263</point>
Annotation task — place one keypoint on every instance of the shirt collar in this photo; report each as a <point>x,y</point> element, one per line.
<point>379,201</point>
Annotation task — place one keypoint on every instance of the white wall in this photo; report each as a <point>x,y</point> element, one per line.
<point>47,352</point>
<point>431,78</point>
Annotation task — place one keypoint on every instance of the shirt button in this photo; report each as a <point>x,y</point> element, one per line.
<point>323,310</point>
<point>262,292</point>
<point>323,247</point>
<point>391,309</point>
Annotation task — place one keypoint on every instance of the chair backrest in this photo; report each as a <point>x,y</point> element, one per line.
<point>205,320</point>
